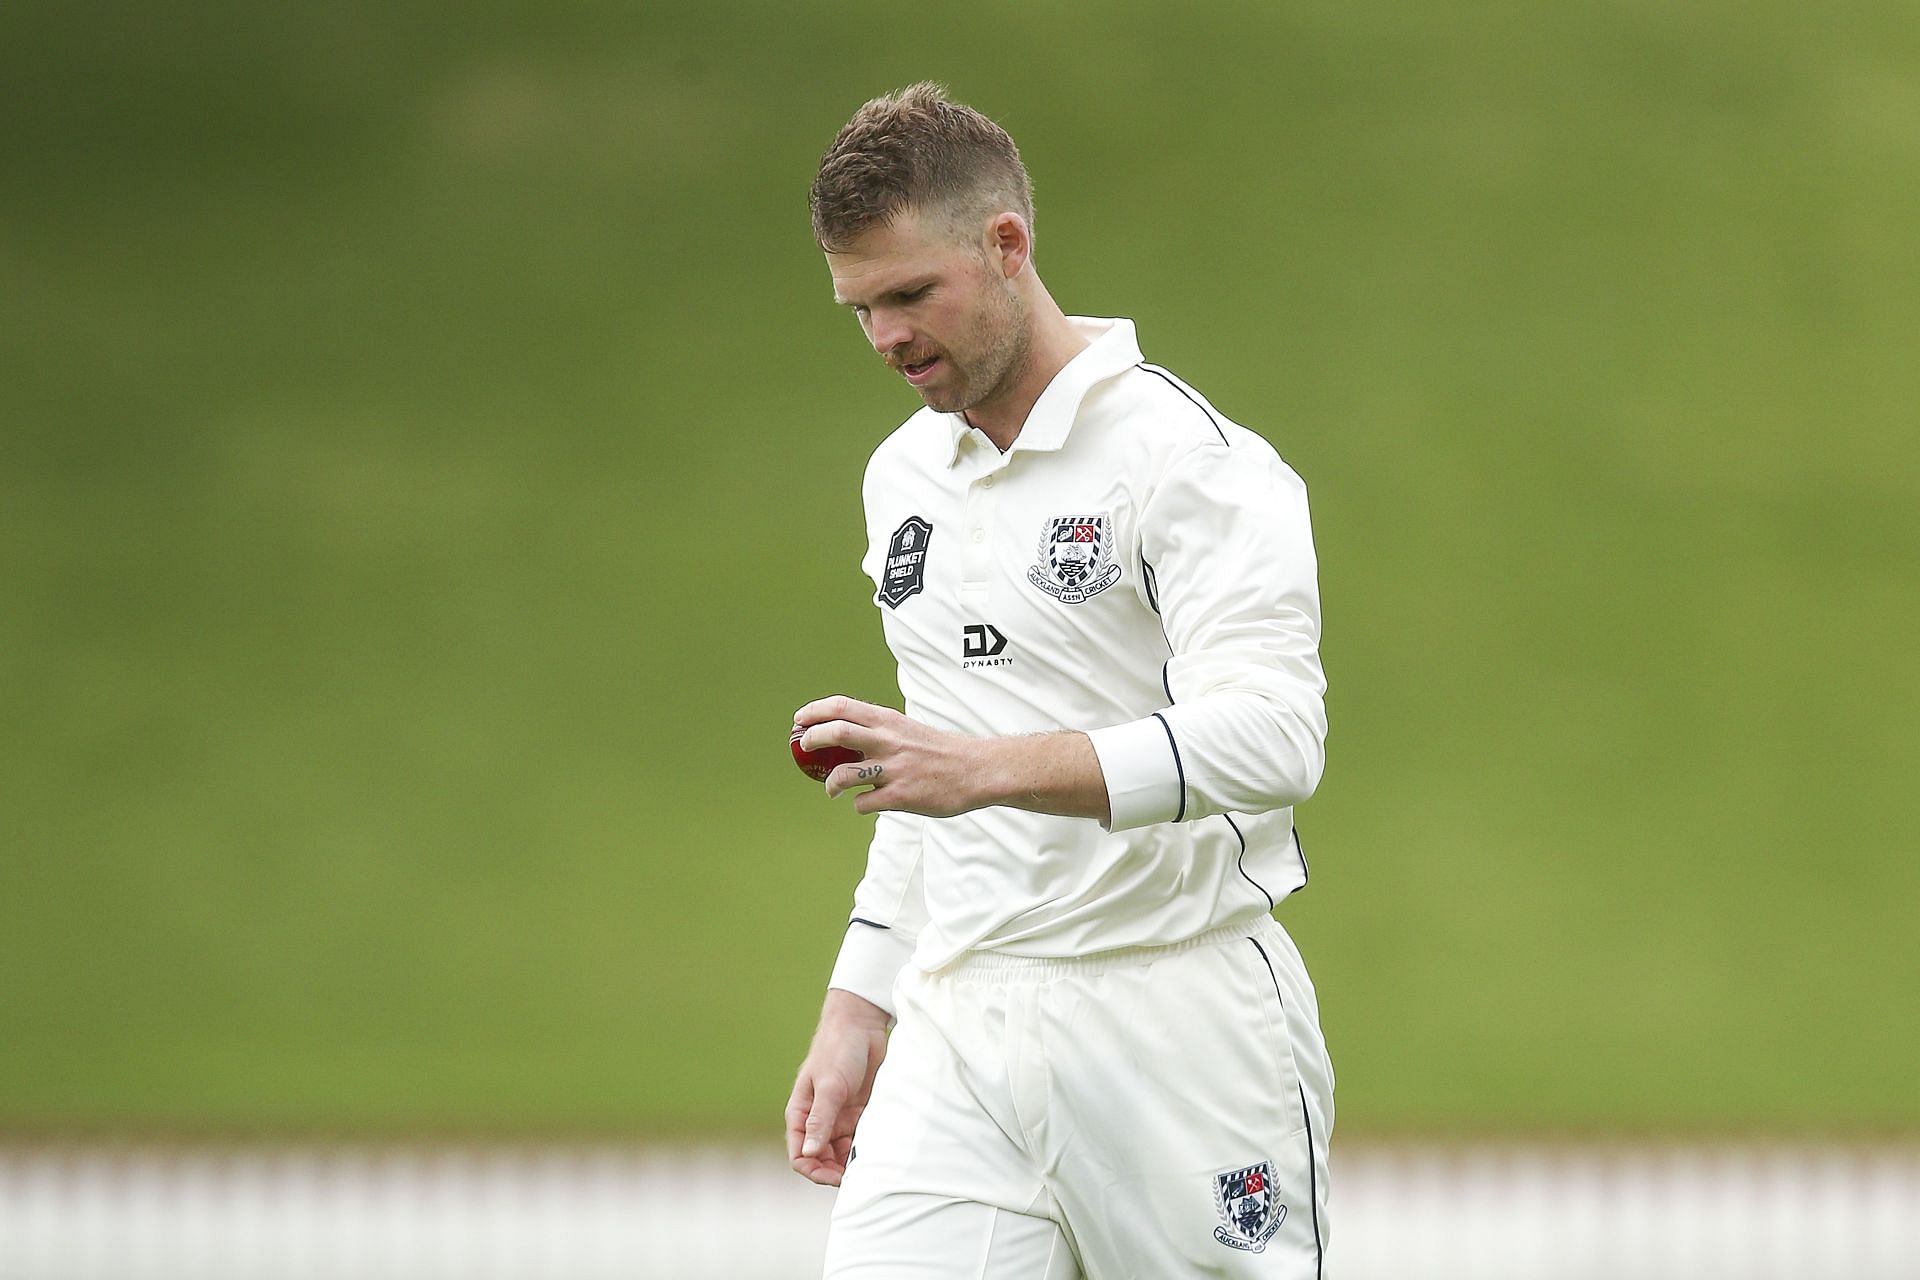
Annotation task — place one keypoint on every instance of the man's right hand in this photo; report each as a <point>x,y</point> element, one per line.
<point>834,1084</point>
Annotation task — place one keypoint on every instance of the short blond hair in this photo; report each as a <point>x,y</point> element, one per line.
<point>916,149</point>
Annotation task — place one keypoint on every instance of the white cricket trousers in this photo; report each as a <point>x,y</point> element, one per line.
<point>1156,1113</point>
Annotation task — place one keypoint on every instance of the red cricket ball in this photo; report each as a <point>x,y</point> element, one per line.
<point>818,764</point>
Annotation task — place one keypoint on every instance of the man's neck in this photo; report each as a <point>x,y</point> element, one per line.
<point>1055,342</point>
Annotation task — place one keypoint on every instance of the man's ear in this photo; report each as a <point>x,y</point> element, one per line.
<point>1009,243</point>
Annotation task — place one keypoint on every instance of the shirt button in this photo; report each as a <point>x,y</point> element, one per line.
<point>979,535</point>
<point>987,483</point>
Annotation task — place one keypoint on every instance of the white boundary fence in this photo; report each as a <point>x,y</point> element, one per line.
<point>1398,1213</point>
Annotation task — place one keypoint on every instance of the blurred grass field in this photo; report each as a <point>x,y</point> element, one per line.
<point>430,481</point>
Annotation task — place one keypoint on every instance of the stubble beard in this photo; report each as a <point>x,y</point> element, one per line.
<point>1002,334</point>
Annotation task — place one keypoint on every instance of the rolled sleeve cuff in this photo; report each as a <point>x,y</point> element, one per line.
<point>870,959</point>
<point>1142,771</point>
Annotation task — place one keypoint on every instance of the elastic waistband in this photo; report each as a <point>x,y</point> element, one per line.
<point>995,966</point>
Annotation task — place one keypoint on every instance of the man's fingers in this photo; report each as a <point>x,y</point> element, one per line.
<point>840,733</point>
<point>827,1100</point>
<point>820,1171</point>
<point>830,1166</point>
<point>861,773</point>
<point>821,710</point>
<point>798,1104</point>
<point>800,1107</point>
<point>840,707</point>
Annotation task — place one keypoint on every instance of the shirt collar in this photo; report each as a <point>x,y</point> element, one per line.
<point>1111,348</point>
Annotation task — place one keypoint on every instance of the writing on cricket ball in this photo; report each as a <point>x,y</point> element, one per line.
<point>819,763</point>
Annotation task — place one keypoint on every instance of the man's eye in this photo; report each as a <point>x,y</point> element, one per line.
<point>916,295</point>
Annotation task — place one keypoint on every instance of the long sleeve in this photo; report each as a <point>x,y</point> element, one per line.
<point>1230,567</point>
<point>889,910</point>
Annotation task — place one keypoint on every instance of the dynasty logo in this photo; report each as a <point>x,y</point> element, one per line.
<point>981,645</point>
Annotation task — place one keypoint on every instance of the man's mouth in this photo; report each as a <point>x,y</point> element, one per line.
<point>919,373</point>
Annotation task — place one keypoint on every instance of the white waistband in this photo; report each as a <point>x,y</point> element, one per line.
<point>996,966</point>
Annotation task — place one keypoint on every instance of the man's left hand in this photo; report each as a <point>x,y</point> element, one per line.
<point>908,766</point>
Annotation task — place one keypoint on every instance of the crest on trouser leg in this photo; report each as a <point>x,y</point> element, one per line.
<point>1249,1214</point>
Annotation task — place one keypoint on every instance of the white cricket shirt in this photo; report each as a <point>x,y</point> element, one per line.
<point>1135,566</point>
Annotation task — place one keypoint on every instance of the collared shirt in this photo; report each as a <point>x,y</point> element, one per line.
<point>1135,566</point>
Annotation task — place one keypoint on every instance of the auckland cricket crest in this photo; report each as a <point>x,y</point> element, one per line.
<point>1076,558</point>
<point>1248,1214</point>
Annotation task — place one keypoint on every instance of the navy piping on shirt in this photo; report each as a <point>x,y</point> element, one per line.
<point>1174,382</point>
<point>1241,861</point>
<point>1178,765</point>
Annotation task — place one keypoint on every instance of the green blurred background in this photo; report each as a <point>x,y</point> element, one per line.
<point>430,482</point>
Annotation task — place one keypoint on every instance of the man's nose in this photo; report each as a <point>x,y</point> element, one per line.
<point>887,331</point>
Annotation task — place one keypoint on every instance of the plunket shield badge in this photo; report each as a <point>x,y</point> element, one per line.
<point>1248,1213</point>
<point>1076,558</point>
<point>905,573</point>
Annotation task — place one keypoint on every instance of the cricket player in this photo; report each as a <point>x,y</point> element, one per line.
<point>1064,1036</point>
